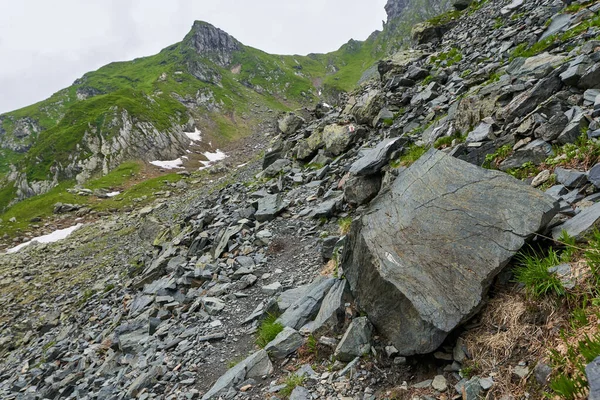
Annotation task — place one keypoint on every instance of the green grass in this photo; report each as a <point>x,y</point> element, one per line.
<point>410,155</point>
<point>444,18</point>
<point>268,330</point>
<point>494,159</point>
<point>524,50</point>
<point>116,177</point>
<point>447,140</point>
<point>291,383</point>
<point>447,58</point>
<point>344,225</point>
<point>42,206</point>
<point>532,272</point>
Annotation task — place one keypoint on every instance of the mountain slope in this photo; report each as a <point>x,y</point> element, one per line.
<point>140,109</point>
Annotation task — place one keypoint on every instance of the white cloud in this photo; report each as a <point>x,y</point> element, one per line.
<point>46,45</point>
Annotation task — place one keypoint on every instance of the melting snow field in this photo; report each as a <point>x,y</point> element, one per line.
<point>212,158</point>
<point>113,194</point>
<point>173,164</point>
<point>49,238</point>
<point>194,136</point>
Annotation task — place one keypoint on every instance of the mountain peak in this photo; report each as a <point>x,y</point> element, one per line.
<point>213,43</point>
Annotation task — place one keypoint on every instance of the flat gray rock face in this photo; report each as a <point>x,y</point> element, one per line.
<point>592,371</point>
<point>420,261</point>
<point>306,307</point>
<point>581,224</point>
<point>374,159</point>
<point>286,342</point>
<point>255,366</point>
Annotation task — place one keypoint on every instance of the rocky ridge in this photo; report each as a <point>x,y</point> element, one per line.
<point>209,267</point>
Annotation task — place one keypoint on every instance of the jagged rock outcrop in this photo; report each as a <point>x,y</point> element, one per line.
<point>394,8</point>
<point>212,43</point>
<point>420,261</point>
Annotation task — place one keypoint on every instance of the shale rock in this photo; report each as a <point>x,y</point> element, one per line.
<point>421,260</point>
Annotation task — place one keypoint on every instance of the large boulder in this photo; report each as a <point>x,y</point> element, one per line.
<point>338,138</point>
<point>290,123</point>
<point>367,106</point>
<point>420,261</point>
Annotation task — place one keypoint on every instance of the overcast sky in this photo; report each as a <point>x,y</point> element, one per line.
<point>46,45</point>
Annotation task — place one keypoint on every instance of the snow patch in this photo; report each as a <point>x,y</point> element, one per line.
<point>195,136</point>
<point>212,158</point>
<point>172,164</point>
<point>49,238</point>
<point>113,194</point>
<point>216,156</point>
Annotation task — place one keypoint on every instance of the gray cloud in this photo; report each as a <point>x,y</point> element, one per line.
<point>46,45</point>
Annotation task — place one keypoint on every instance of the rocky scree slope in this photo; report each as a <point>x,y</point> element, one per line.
<point>213,266</point>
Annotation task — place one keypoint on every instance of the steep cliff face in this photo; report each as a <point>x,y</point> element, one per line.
<point>394,8</point>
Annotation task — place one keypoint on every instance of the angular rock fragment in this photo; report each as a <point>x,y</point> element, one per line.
<point>285,343</point>
<point>356,341</point>
<point>420,262</point>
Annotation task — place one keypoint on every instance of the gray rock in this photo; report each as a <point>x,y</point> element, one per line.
<point>592,371</point>
<point>276,168</point>
<point>359,190</point>
<point>542,373</point>
<point>439,383</point>
<point>535,152</point>
<point>285,343</point>
<point>570,178</point>
<point>289,297</point>
<point>461,4</point>
<point>331,315</point>
<point>356,341</point>
<point>328,246</point>
<point>213,305</point>
<point>581,224</point>
<point>255,366</point>
<point>338,138</point>
<point>559,23</point>
<point>594,175</point>
<point>300,393</point>
<point>486,383</point>
<point>557,191</point>
<point>305,308</point>
<point>327,208</point>
<point>269,207</point>
<point>444,212</point>
<point>272,289</point>
<point>290,123</point>
<point>526,102</point>
<point>591,78</point>
<point>146,379</point>
<point>373,160</point>
<point>469,389</point>
<point>483,131</point>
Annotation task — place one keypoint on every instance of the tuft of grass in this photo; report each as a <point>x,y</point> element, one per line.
<point>344,225</point>
<point>291,383</point>
<point>446,141</point>
<point>448,58</point>
<point>533,273</point>
<point>412,154</point>
<point>268,330</point>
<point>493,160</point>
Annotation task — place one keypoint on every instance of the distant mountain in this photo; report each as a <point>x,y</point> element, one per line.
<point>141,109</point>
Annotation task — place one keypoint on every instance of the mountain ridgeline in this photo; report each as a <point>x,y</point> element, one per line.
<point>139,110</point>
